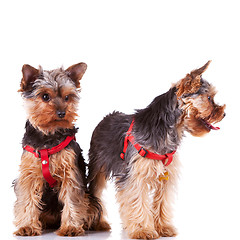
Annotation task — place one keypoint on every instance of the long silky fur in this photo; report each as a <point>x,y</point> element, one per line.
<point>154,128</point>
<point>145,199</point>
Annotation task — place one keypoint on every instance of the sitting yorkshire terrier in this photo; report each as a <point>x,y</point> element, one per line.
<point>139,151</point>
<point>51,188</point>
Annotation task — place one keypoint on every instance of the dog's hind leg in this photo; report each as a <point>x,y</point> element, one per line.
<point>96,187</point>
<point>28,189</point>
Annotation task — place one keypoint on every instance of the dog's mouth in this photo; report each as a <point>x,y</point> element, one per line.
<point>60,120</point>
<point>208,125</point>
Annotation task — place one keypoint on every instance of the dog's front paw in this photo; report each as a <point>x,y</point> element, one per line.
<point>167,231</point>
<point>70,231</point>
<point>144,234</point>
<point>28,231</point>
<point>102,226</point>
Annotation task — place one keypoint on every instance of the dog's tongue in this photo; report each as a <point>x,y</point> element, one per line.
<point>214,128</point>
<point>210,126</point>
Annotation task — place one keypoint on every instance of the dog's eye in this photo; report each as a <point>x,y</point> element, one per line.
<point>66,98</point>
<point>210,99</point>
<point>45,97</point>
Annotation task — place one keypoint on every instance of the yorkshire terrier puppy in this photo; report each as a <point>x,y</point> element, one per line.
<point>51,188</point>
<point>139,152</point>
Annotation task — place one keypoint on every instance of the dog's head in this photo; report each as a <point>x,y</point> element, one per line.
<point>196,99</point>
<point>51,97</point>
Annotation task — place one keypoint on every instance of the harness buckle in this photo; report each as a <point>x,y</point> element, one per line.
<point>37,153</point>
<point>143,152</point>
<point>122,155</point>
<point>169,158</point>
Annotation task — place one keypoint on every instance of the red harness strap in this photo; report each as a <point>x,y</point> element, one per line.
<point>143,152</point>
<point>44,155</point>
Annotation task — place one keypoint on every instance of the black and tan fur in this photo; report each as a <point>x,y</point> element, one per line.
<point>51,99</point>
<point>145,200</point>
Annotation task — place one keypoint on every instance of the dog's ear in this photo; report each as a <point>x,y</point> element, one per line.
<point>75,72</point>
<point>29,76</point>
<point>192,82</point>
<point>188,85</point>
<point>200,71</point>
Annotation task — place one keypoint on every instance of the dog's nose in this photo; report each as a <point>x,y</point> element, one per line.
<point>61,114</point>
<point>224,115</point>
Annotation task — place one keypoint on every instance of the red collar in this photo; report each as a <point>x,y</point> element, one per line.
<point>143,152</point>
<point>44,153</point>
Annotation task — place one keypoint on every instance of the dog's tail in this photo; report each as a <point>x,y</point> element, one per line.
<point>94,212</point>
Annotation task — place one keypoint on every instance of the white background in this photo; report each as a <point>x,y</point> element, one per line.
<point>134,50</point>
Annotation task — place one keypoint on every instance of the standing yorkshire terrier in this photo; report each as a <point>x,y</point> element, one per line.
<point>139,152</point>
<point>51,188</point>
